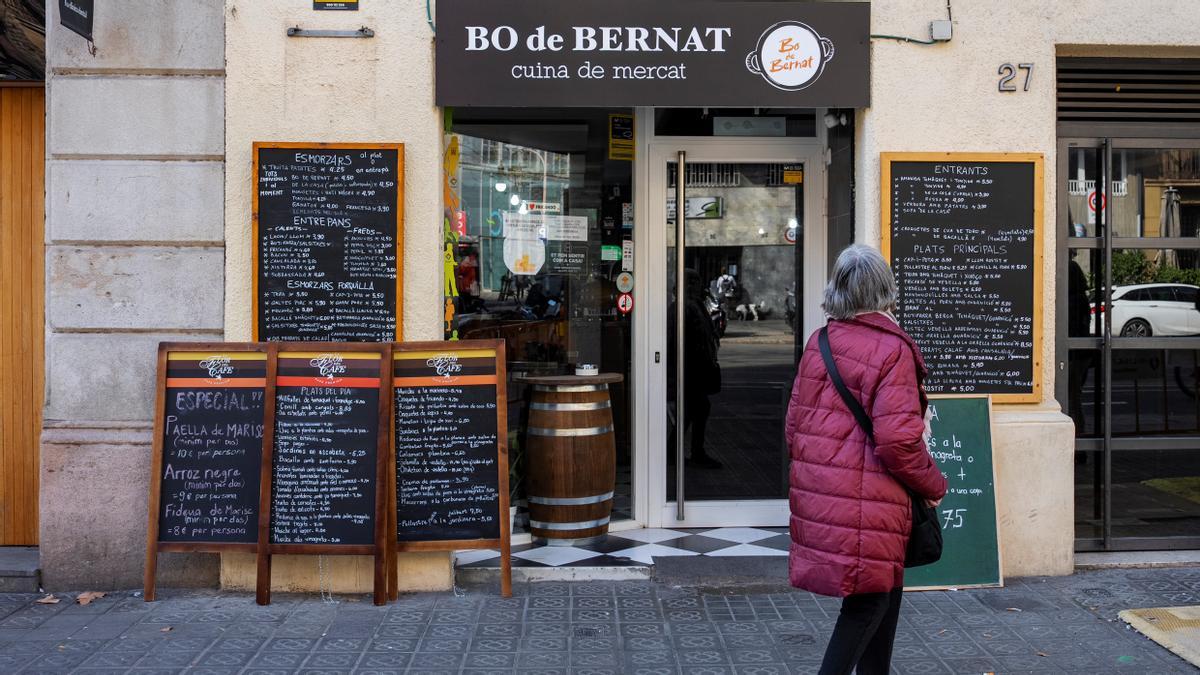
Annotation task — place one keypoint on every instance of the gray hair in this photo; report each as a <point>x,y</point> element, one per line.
<point>861,282</point>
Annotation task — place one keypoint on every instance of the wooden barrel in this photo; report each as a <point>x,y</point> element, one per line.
<point>570,458</point>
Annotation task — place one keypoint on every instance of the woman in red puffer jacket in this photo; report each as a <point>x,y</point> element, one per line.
<point>851,514</point>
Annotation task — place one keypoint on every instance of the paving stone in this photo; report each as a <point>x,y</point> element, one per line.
<point>385,660</point>
<point>1066,625</point>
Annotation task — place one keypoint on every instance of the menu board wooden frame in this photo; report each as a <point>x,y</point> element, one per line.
<point>399,148</point>
<point>933,398</point>
<point>383,461</point>
<point>153,545</point>
<point>504,543</point>
<point>1036,159</point>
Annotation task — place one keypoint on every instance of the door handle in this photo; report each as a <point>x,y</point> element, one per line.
<point>680,326</point>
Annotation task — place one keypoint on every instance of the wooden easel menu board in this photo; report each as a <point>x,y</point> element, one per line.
<point>207,457</point>
<point>328,443</point>
<point>962,447</point>
<point>328,226</point>
<point>963,234</point>
<point>451,488</point>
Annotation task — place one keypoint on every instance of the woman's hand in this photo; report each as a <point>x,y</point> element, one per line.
<point>932,503</point>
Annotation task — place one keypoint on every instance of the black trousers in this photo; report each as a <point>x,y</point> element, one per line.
<point>697,408</point>
<point>863,635</point>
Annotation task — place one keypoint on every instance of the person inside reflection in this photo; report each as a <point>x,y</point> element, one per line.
<point>725,288</point>
<point>702,373</point>
<point>1079,318</point>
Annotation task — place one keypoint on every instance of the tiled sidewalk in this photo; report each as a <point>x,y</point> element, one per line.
<point>1034,625</point>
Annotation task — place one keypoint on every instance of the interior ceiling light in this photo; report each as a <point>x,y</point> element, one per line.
<point>514,200</point>
<point>501,186</point>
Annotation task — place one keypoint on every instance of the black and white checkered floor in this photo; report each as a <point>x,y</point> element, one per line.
<point>638,548</point>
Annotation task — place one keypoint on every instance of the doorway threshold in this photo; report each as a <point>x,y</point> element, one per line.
<point>20,569</point>
<point>630,554</point>
<point>1135,559</point>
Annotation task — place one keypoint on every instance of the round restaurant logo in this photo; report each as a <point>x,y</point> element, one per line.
<point>790,55</point>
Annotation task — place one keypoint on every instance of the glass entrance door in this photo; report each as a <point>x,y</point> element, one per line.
<point>734,325</point>
<point>1129,347</point>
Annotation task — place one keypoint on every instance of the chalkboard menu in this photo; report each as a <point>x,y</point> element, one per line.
<point>450,422</point>
<point>208,441</point>
<point>328,233</point>
<point>962,447</point>
<point>325,448</point>
<point>963,235</point>
<point>447,444</point>
<point>212,446</point>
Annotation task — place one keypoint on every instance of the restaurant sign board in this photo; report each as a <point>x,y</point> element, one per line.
<point>668,53</point>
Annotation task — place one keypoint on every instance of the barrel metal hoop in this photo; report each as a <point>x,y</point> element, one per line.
<point>565,541</point>
<point>578,431</point>
<point>571,501</point>
<point>563,527</point>
<point>571,407</point>
<point>569,388</point>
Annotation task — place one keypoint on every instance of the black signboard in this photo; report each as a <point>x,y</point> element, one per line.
<point>77,16</point>
<point>666,53</point>
<point>208,448</point>
<point>327,231</point>
<point>325,449</point>
<point>963,236</point>
<point>336,5</point>
<point>448,465</point>
<point>567,257</point>
<point>451,439</point>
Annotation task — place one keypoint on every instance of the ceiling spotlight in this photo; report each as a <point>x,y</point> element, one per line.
<point>501,186</point>
<point>514,200</point>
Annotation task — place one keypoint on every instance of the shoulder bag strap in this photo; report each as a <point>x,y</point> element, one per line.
<point>852,403</point>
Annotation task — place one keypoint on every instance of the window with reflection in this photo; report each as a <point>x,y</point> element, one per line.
<point>1154,192</point>
<point>538,204</point>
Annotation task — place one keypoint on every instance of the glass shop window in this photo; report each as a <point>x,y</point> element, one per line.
<point>538,216</point>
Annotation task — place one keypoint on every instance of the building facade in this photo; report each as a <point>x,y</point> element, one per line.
<point>148,211</point>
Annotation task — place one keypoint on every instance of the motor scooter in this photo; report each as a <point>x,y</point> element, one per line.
<point>716,314</point>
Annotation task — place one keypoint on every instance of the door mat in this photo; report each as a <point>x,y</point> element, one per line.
<point>1176,628</point>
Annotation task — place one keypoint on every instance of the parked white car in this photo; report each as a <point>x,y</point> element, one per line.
<point>1158,310</point>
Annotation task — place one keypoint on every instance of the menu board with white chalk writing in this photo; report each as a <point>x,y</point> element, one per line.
<point>325,456</point>
<point>961,233</point>
<point>451,466</point>
<point>328,233</point>
<point>961,445</point>
<point>206,464</point>
<point>211,446</point>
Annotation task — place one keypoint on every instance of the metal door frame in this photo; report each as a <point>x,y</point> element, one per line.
<point>650,308</point>
<point>1106,343</point>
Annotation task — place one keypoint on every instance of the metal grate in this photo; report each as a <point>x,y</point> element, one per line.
<point>1141,91</point>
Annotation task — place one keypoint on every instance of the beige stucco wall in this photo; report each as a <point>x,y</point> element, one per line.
<point>945,98</point>
<point>337,90</point>
<point>924,98</point>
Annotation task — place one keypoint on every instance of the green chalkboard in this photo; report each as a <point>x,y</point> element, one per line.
<point>962,447</point>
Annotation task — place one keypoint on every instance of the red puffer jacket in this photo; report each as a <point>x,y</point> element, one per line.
<point>851,516</point>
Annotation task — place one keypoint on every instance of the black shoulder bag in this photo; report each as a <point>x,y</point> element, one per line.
<point>925,541</point>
